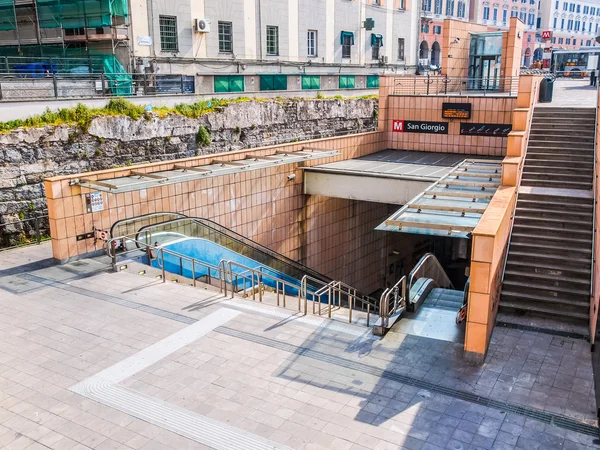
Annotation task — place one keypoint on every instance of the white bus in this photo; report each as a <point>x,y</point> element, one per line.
<point>575,63</point>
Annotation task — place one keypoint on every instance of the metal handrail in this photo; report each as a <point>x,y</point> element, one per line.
<point>594,187</point>
<point>399,301</point>
<point>38,236</point>
<point>141,218</point>
<point>194,262</point>
<point>445,282</point>
<point>519,175</point>
<point>444,84</point>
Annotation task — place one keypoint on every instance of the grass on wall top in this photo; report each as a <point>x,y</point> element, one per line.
<point>82,115</point>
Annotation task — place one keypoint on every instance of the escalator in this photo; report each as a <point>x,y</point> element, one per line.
<point>213,244</point>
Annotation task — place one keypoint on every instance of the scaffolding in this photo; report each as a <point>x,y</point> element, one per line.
<point>42,28</point>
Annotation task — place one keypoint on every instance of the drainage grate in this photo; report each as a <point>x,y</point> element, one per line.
<point>548,418</point>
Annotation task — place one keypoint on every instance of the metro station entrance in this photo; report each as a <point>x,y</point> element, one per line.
<point>484,61</point>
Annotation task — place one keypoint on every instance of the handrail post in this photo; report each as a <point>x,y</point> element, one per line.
<point>329,294</point>
<point>259,279</point>
<point>37,230</point>
<point>368,314</point>
<point>351,305</point>
<point>283,287</point>
<point>277,290</point>
<point>194,272</point>
<point>162,252</point>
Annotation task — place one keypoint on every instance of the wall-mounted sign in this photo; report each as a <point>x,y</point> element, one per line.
<point>546,35</point>
<point>485,129</point>
<point>456,110</point>
<point>414,126</point>
<point>144,40</point>
<point>94,202</point>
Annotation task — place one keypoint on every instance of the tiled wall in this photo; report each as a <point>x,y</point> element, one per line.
<point>331,235</point>
<point>429,108</point>
<point>458,65</point>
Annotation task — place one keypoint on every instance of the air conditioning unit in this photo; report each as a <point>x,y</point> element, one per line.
<point>384,59</point>
<point>202,26</point>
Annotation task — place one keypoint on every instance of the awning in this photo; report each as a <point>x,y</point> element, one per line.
<point>376,40</point>
<point>179,173</point>
<point>350,34</point>
<point>451,206</point>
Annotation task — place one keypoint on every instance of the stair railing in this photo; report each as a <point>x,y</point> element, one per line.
<point>397,293</point>
<point>428,267</point>
<point>594,187</point>
<point>519,175</point>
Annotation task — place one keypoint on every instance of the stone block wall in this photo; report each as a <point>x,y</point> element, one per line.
<point>27,156</point>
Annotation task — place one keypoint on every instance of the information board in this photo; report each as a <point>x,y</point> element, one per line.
<point>456,110</point>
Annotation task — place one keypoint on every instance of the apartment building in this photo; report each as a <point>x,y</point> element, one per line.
<point>293,39</point>
<point>573,23</point>
<point>433,14</point>
<point>496,14</point>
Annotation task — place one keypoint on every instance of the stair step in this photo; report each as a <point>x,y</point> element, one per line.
<point>549,248</point>
<point>561,139</point>
<point>545,155</point>
<point>519,294</point>
<point>559,133</point>
<point>579,202</point>
<point>524,236</point>
<point>534,166</point>
<point>558,162</point>
<point>549,279</point>
<point>531,210</point>
<point>585,186</point>
<point>574,261</point>
<point>556,176</point>
<point>526,306</point>
<point>524,286</point>
<point>545,267</point>
<point>565,222</point>
<point>540,232</point>
<point>584,150</point>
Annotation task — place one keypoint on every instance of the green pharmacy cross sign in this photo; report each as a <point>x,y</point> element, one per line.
<point>369,24</point>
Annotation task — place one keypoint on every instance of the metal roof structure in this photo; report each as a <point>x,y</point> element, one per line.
<point>451,206</point>
<point>400,164</point>
<point>180,173</point>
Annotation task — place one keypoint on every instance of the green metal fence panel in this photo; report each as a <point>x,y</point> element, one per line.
<point>372,81</point>
<point>7,15</point>
<point>221,83</point>
<point>236,84</point>
<point>280,82</point>
<point>311,82</point>
<point>347,81</point>
<point>266,83</point>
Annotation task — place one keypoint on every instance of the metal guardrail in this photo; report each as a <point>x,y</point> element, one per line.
<point>38,237</point>
<point>26,86</point>
<point>398,305</point>
<point>445,85</point>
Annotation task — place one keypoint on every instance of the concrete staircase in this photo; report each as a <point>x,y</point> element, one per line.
<point>548,268</point>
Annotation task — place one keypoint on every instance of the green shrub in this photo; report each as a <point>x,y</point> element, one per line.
<point>203,136</point>
<point>320,96</point>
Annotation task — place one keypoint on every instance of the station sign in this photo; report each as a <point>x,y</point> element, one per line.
<point>414,126</point>
<point>485,129</point>
<point>546,35</point>
<point>456,110</point>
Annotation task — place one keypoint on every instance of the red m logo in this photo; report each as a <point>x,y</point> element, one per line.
<point>398,126</point>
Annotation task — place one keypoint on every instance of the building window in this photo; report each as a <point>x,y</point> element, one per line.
<point>376,44</point>
<point>523,16</point>
<point>531,20</point>
<point>586,9</point>
<point>588,43</point>
<point>437,29</point>
<point>438,6</point>
<point>495,17</point>
<point>568,41</point>
<point>514,13</point>
<point>562,24</point>
<point>461,9</point>
<point>449,8</point>
<point>578,9</point>
<point>593,11</point>
<point>528,38</point>
<point>312,43</point>
<point>424,28</point>
<point>426,5</point>
<point>572,7</point>
<point>486,13</point>
<point>554,40</point>
<point>565,6</point>
<point>560,40</point>
<point>272,40</point>
<point>168,34</point>
<point>504,16</point>
<point>555,20</point>
<point>225,37</point>
<point>347,43</point>
<point>400,49</point>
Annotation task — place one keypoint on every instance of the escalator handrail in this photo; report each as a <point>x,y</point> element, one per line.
<point>249,242</point>
<point>142,217</point>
